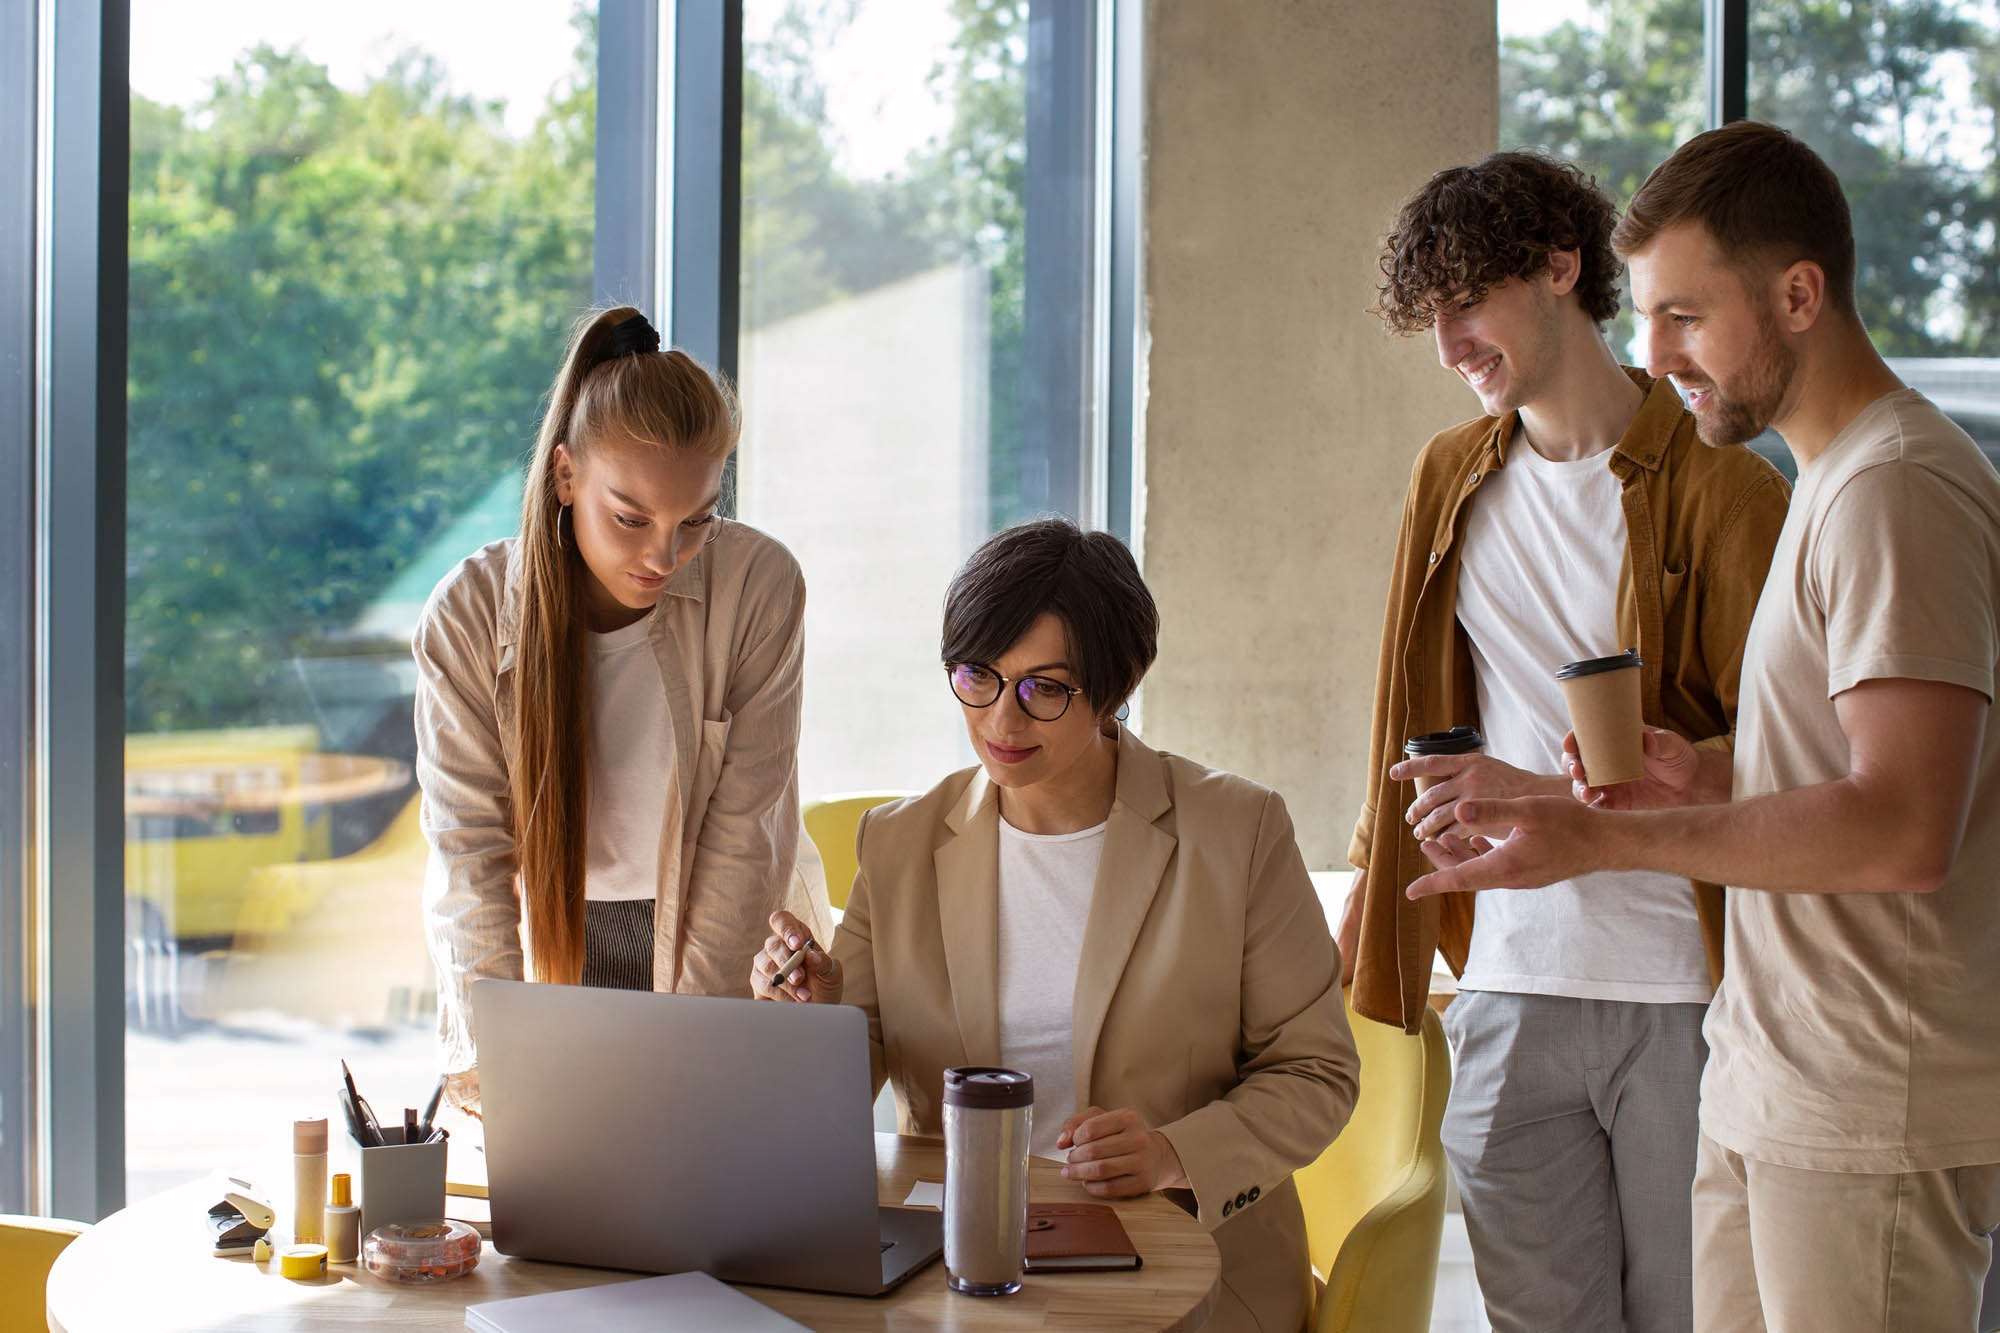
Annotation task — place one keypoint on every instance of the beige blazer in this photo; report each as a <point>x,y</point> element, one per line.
<point>1208,999</point>
<point>729,635</point>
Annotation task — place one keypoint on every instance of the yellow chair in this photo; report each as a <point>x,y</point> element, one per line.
<point>28,1249</point>
<point>832,821</point>
<point>1374,1201</point>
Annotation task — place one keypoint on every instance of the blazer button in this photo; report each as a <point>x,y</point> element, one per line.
<point>1227,1207</point>
<point>1242,1201</point>
<point>1254,1191</point>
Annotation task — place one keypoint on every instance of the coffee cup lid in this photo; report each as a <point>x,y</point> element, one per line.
<point>987,1088</point>
<point>1458,740</point>
<point>1593,666</point>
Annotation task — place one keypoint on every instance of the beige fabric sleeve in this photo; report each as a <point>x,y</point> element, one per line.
<point>1298,1069</point>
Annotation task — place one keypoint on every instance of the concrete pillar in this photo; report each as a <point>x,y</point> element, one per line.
<point>1281,419</point>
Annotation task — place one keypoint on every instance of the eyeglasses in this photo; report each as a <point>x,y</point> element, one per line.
<point>1042,698</point>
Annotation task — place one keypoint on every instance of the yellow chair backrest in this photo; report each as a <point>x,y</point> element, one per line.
<point>1374,1201</point>
<point>832,821</point>
<point>28,1249</point>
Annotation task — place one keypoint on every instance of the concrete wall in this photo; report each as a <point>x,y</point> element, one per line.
<point>1281,420</point>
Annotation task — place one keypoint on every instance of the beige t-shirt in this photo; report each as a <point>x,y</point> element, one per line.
<point>1860,1031</point>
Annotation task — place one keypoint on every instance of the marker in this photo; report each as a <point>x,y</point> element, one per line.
<point>790,964</point>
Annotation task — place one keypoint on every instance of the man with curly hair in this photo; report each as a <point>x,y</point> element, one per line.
<point>1577,516</point>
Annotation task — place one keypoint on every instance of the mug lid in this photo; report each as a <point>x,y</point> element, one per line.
<point>1593,666</point>
<point>1457,740</point>
<point>986,1088</point>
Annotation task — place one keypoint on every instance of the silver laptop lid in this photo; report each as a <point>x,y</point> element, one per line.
<point>628,1129</point>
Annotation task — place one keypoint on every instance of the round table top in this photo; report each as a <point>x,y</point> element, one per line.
<point>149,1266</point>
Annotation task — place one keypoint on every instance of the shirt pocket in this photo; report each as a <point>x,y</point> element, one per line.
<point>707,767</point>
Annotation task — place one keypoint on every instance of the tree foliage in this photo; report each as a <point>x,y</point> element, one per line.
<point>1899,96</point>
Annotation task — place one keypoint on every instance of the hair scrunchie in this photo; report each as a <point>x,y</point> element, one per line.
<point>630,337</point>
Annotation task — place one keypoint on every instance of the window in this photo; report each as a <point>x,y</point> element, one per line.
<point>1900,97</point>
<point>1611,85</point>
<point>356,248</point>
<point>920,342</point>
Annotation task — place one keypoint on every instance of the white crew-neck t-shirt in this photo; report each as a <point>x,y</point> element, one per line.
<point>1538,587</point>
<point>634,779</point>
<point>1045,885</point>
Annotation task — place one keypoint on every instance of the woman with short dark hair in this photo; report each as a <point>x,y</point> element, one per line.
<point>1134,930</point>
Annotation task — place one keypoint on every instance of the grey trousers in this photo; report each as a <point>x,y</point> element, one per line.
<point>1572,1128</point>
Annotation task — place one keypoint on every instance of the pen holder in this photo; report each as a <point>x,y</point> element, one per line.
<point>401,1182</point>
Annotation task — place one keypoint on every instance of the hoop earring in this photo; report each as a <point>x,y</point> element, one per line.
<point>561,514</point>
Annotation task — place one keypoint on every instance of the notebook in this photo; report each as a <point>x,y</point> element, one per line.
<point>1077,1237</point>
<point>677,1303</point>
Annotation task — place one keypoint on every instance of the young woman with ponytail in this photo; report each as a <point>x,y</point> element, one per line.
<point>607,707</point>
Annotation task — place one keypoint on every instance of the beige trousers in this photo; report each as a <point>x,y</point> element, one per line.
<point>1786,1250</point>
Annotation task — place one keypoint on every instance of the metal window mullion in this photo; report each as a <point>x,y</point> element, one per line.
<point>706,115</point>
<point>80,321</point>
<point>625,251</point>
<point>1726,47</point>
<point>1126,108</point>
<point>701,216</point>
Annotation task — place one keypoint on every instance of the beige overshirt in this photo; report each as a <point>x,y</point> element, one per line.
<point>729,636</point>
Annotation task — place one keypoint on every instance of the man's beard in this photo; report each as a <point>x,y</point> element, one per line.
<point>1746,409</point>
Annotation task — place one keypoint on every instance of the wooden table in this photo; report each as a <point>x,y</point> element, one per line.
<point>149,1266</point>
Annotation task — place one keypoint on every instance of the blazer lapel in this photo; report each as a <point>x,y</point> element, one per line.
<point>968,898</point>
<point>1136,852</point>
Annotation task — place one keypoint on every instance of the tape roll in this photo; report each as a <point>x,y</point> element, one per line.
<point>302,1260</point>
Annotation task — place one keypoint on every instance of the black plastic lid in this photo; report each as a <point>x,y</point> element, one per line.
<point>1459,740</point>
<point>988,1089</point>
<point>1594,666</point>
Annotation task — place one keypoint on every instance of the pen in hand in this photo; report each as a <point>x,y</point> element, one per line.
<point>792,964</point>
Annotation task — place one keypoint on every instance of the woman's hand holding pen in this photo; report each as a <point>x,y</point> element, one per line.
<point>812,978</point>
<point>1115,1156</point>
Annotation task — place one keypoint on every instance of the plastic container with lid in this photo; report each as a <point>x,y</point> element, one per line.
<point>421,1251</point>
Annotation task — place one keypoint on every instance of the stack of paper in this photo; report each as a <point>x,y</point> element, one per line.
<point>677,1303</point>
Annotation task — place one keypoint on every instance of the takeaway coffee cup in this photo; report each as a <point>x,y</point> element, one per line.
<point>1604,711</point>
<point>1459,740</point>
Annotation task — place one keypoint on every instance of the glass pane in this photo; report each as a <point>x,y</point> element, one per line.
<point>916,249</point>
<point>1900,97</point>
<point>1611,85</point>
<point>358,236</point>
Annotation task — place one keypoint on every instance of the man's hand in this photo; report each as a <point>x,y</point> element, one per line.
<point>1348,937</point>
<point>1115,1156</point>
<point>1673,776</point>
<point>1547,838</point>
<point>1462,777</point>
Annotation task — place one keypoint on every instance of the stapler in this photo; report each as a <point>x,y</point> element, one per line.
<point>240,1220</point>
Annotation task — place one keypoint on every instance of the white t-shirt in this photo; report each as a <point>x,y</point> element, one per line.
<point>634,779</point>
<point>1045,885</point>
<point>1538,587</point>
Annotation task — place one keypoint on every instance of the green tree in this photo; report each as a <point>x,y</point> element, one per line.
<point>1868,83</point>
<point>342,305</point>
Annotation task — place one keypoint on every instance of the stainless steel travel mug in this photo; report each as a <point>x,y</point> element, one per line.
<point>987,1113</point>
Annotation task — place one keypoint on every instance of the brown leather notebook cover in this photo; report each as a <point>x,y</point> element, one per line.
<point>1077,1237</point>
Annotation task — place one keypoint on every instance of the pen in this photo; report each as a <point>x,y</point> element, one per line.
<point>410,1125</point>
<point>431,1109</point>
<point>360,1116</point>
<point>785,969</point>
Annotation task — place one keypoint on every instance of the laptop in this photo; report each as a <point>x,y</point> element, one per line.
<point>664,1133</point>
